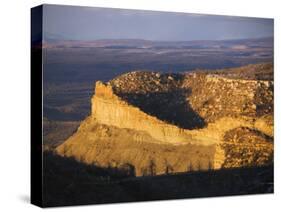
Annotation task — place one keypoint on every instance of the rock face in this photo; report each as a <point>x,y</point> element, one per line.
<point>163,123</point>
<point>109,109</point>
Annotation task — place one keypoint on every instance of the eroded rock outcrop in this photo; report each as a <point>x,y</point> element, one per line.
<point>110,109</point>
<point>163,123</point>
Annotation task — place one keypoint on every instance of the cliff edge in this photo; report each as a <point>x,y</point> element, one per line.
<point>166,123</point>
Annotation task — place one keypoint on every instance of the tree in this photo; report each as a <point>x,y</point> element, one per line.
<point>128,169</point>
<point>169,168</point>
<point>190,167</point>
<point>152,168</point>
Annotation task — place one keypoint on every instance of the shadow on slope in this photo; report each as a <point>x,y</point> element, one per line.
<point>68,182</point>
<point>171,106</point>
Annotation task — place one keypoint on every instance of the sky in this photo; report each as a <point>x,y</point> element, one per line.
<point>91,23</point>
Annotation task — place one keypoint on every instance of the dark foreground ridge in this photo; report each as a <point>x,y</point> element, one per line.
<point>68,182</point>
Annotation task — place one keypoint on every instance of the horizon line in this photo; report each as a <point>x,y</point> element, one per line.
<point>141,39</point>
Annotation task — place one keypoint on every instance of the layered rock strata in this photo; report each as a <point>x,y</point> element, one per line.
<point>163,123</point>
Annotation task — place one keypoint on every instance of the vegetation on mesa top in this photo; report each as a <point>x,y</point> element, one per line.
<point>198,98</point>
<point>139,117</point>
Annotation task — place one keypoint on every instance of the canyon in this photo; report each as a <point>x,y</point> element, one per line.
<point>155,123</point>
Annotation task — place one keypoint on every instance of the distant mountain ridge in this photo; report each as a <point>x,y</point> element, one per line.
<point>50,42</point>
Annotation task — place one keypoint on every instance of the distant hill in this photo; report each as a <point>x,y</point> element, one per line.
<point>139,43</point>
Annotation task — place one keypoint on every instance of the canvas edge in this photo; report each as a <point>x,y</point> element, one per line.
<point>36,189</point>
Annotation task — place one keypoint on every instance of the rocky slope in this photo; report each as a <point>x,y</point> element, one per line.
<point>163,123</point>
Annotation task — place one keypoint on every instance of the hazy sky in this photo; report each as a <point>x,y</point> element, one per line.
<point>89,23</point>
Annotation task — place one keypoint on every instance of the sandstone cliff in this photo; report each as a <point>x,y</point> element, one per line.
<point>163,123</point>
